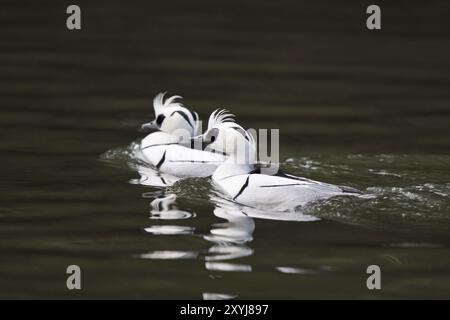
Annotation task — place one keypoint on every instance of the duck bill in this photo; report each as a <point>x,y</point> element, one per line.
<point>198,142</point>
<point>197,139</point>
<point>149,126</point>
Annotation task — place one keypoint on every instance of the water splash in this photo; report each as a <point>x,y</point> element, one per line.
<point>397,188</point>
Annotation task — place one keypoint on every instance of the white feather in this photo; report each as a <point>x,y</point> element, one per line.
<point>159,104</point>
<point>235,178</point>
<point>220,116</point>
<point>183,162</point>
<point>274,192</point>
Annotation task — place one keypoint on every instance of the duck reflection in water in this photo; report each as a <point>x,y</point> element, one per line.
<point>148,175</point>
<point>230,240</point>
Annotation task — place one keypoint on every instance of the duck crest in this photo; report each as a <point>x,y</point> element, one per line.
<point>220,116</point>
<point>159,104</point>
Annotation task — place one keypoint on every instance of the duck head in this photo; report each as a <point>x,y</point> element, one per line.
<point>172,117</point>
<point>224,135</point>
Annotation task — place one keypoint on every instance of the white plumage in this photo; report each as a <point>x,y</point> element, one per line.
<point>165,149</point>
<point>239,178</point>
<point>230,158</point>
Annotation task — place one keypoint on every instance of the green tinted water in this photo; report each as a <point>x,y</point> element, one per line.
<point>369,110</point>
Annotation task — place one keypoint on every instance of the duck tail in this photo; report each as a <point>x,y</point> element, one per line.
<point>350,190</point>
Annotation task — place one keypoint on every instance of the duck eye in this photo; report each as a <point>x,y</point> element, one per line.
<point>160,119</point>
<point>213,134</point>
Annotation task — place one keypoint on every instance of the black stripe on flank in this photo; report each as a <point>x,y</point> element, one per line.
<point>216,151</point>
<point>289,176</point>
<point>281,185</point>
<point>195,161</point>
<point>160,163</point>
<point>184,115</point>
<point>242,188</point>
<point>158,145</point>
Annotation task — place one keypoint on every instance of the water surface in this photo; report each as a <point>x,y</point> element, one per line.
<point>369,110</point>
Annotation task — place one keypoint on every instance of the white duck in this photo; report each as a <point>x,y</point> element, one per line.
<point>165,150</point>
<point>240,178</point>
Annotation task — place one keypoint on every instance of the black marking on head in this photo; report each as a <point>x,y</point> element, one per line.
<point>162,180</point>
<point>242,188</point>
<point>160,163</point>
<point>211,136</point>
<point>227,117</point>
<point>241,132</point>
<point>160,119</point>
<point>194,115</point>
<point>184,115</point>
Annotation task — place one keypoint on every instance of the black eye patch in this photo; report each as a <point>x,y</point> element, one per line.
<point>160,119</point>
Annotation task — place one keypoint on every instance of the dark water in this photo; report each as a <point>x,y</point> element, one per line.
<point>360,108</point>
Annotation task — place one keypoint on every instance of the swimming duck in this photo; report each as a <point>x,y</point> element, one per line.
<point>167,150</point>
<point>240,177</point>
